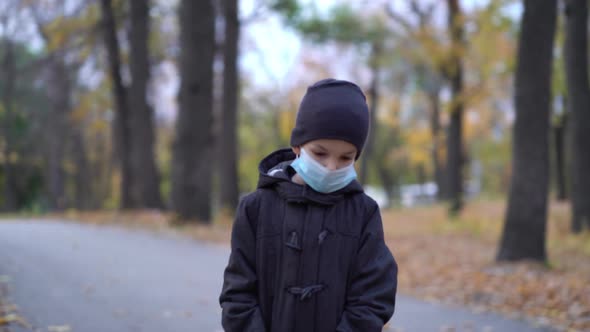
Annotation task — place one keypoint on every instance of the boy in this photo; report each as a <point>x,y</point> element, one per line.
<point>308,252</point>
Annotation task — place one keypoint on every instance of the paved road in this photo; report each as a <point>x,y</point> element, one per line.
<point>103,279</point>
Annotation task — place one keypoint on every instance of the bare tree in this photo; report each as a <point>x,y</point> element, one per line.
<point>559,143</point>
<point>524,231</point>
<point>455,158</point>
<point>576,68</point>
<point>193,142</point>
<point>59,90</point>
<point>8,77</point>
<point>146,178</point>
<point>122,118</point>
<point>374,101</point>
<point>229,155</point>
<point>433,94</point>
<point>432,72</point>
<point>82,183</point>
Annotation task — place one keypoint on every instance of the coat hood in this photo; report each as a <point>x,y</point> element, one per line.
<point>274,173</point>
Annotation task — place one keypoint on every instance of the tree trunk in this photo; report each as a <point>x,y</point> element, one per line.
<point>59,91</point>
<point>146,178</point>
<point>193,143</point>
<point>432,82</point>
<point>437,142</point>
<point>100,170</point>
<point>576,68</point>
<point>121,124</point>
<point>389,182</point>
<point>374,97</point>
<point>9,77</point>
<point>455,131</point>
<point>559,145</point>
<point>82,186</point>
<point>524,231</point>
<point>229,145</point>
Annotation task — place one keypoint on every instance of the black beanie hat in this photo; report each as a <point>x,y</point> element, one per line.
<point>332,109</point>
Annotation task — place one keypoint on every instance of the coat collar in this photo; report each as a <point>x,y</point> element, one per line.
<point>274,173</point>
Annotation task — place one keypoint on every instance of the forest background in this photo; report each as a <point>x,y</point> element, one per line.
<point>479,112</point>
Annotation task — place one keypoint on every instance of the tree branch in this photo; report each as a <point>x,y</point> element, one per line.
<point>257,13</point>
<point>398,18</point>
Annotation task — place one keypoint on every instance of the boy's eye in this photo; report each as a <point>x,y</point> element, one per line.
<point>346,158</point>
<point>320,154</point>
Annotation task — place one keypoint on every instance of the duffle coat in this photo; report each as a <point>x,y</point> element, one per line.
<point>304,261</point>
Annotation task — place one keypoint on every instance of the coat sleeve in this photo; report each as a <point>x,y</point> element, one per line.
<point>239,296</point>
<point>370,299</point>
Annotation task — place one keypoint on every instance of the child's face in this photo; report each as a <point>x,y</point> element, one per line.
<point>332,153</point>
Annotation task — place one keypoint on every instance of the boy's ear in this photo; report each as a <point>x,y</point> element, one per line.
<point>296,150</point>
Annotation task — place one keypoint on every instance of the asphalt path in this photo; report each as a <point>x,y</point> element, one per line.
<point>69,277</point>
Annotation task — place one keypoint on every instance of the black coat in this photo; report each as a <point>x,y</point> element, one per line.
<point>303,261</point>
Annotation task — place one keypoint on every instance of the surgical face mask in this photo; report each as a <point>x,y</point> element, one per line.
<point>319,177</point>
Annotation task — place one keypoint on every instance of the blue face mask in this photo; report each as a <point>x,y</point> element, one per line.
<point>319,177</point>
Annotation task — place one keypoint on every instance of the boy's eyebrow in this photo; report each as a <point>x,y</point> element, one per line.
<point>321,147</point>
<point>324,149</point>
